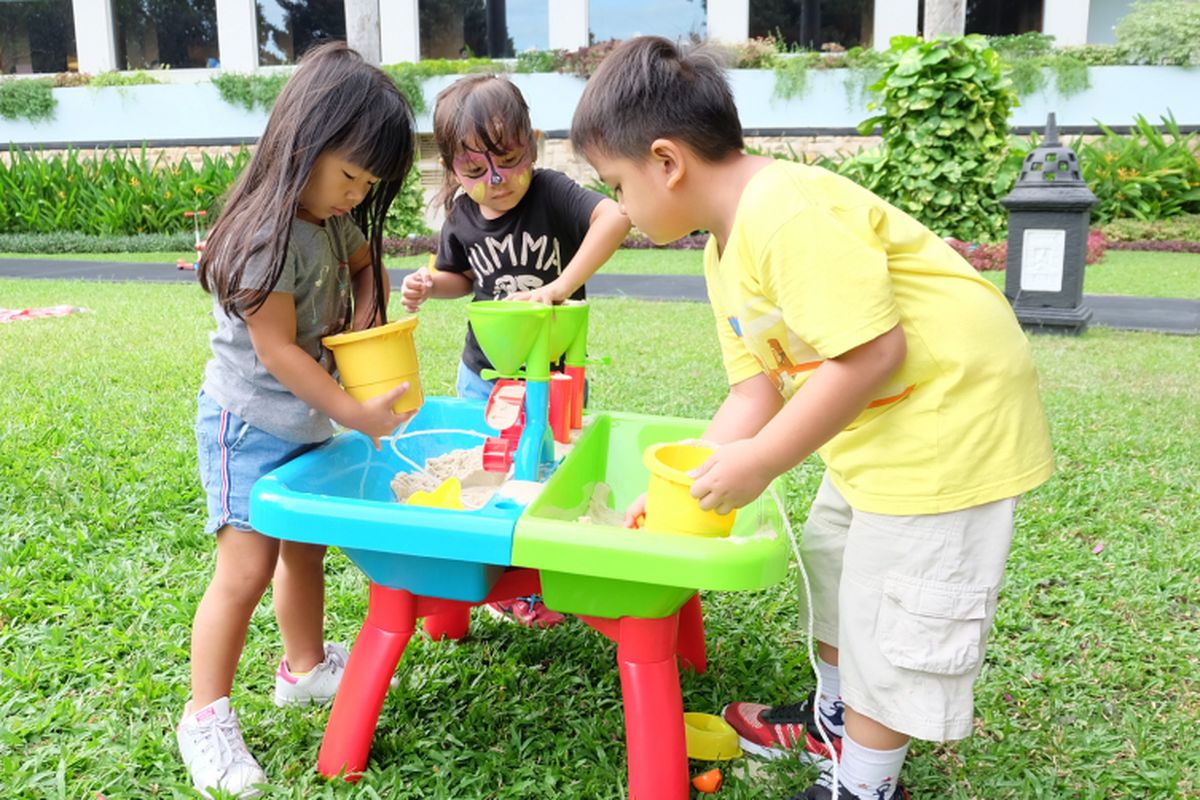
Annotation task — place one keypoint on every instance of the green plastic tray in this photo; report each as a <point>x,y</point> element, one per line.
<point>610,571</point>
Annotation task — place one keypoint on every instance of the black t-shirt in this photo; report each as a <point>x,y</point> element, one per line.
<point>522,250</point>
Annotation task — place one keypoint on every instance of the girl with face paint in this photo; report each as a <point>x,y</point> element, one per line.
<point>511,231</point>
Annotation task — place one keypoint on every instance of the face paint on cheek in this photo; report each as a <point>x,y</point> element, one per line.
<point>522,179</point>
<point>478,192</point>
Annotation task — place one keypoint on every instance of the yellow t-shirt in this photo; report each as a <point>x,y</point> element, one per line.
<point>815,266</point>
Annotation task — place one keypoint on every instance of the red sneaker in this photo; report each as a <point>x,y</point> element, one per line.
<point>821,791</point>
<point>778,731</point>
<point>528,611</point>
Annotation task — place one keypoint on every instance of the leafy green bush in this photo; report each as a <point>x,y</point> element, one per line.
<point>1031,55</point>
<point>1182,228</point>
<point>1097,55</point>
<point>540,61</point>
<point>1161,32</point>
<point>944,114</point>
<point>584,61</point>
<point>125,193</point>
<point>73,242</point>
<point>254,91</point>
<point>406,217</point>
<point>761,52</point>
<point>138,78</point>
<point>112,192</point>
<point>409,76</point>
<point>27,98</point>
<point>1152,174</point>
<point>791,73</point>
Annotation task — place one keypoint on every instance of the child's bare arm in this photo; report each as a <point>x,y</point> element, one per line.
<point>363,284</point>
<point>273,333</point>
<point>749,405</point>
<point>747,408</point>
<point>607,229</point>
<point>425,283</point>
<point>829,400</point>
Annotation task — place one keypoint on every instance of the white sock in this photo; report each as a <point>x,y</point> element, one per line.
<point>829,702</point>
<point>870,774</point>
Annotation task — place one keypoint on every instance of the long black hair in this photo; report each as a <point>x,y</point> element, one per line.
<point>337,102</point>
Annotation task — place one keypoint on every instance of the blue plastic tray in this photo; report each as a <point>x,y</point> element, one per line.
<point>340,495</point>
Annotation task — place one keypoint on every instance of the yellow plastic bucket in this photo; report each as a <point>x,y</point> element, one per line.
<point>669,502</point>
<point>710,738</point>
<point>377,360</point>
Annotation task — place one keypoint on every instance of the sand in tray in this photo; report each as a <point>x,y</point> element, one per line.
<point>478,485</point>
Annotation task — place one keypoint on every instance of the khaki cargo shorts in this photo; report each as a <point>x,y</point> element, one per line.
<point>908,602</point>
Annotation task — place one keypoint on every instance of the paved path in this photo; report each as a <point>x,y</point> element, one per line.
<point>1111,311</point>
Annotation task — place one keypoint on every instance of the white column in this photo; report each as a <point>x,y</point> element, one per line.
<point>1066,21</point>
<point>399,31</point>
<point>894,18</point>
<point>362,28</point>
<point>237,35</point>
<point>729,20</point>
<point>95,36</point>
<point>945,17</point>
<point>568,24</point>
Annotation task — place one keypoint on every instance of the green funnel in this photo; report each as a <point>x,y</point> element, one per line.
<point>513,333</point>
<point>568,332</point>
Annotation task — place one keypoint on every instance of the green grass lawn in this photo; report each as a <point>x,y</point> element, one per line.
<point>1091,687</point>
<point>1139,274</point>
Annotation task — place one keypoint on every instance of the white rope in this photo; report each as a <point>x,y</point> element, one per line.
<point>812,658</point>
<point>392,440</point>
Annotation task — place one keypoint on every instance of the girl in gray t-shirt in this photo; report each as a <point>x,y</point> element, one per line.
<point>287,263</point>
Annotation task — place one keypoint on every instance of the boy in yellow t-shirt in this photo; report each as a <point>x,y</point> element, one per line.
<point>850,330</point>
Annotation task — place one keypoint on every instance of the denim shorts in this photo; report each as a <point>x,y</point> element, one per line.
<point>233,454</point>
<point>470,386</point>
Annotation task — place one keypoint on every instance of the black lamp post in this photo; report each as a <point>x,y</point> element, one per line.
<point>1048,215</point>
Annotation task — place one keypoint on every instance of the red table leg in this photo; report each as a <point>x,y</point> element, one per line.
<point>452,623</point>
<point>391,618</point>
<point>654,736</point>
<point>693,653</point>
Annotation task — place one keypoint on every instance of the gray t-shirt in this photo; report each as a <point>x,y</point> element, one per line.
<point>316,272</point>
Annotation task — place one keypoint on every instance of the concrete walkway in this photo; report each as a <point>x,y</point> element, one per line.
<point>1161,315</point>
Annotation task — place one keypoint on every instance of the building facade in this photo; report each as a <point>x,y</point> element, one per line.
<point>94,36</point>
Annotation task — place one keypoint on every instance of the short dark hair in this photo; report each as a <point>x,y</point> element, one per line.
<point>648,89</point>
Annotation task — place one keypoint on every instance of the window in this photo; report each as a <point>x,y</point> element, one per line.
<point>37,36</point>
<point>529,24</point>
<point>165,33</point>
<point>814,24</point>
<point>1003,17</point>
<point>678,20</point>
<point>288,28</point>
<point>484,28</point>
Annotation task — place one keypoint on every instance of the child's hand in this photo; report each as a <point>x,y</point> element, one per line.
<point>732,477</point>
<point>551,294</point>
<point>416,289</point>
<point>378,419</point>
<point>636,512</point>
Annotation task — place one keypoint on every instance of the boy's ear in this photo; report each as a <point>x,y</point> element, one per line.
<point>538,143</point>
<point>669,160</point>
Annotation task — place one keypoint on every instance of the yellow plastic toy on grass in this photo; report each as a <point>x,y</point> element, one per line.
<point>710,738</point>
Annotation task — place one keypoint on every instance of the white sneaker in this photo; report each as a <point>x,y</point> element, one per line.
<point>318,685</point>
<point>216,757</point>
